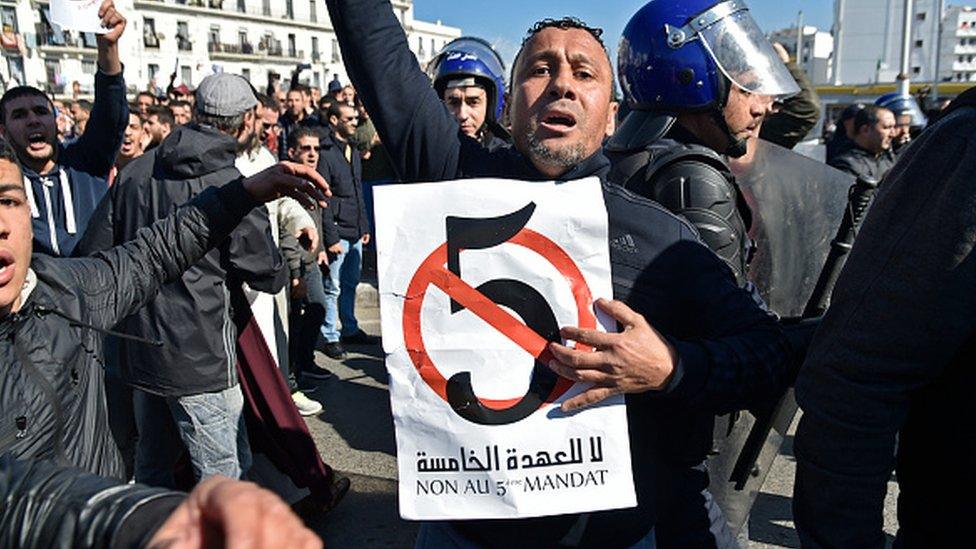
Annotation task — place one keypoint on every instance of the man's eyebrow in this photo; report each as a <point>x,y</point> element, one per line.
<point>7,187</point>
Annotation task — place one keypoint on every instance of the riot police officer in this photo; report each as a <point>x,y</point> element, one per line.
<point>699,77</point>
<point>469,76</point>
<point>909,120</point>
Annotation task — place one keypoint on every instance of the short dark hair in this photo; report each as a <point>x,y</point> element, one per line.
<point>326,102</point>
<point>298,133</point>
<point>134,109</point>
<point>335,109</point>
<point>178,103</point>
<point>84,105</point>
<point>164,115</point>
<point>18,92</point>
<point>150,95</point>
<point>868,116</point>
<point>300,88</point>
<point>269,101</point>
<point>565,23</point>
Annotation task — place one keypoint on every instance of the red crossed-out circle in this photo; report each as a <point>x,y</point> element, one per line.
<point>432,272</point>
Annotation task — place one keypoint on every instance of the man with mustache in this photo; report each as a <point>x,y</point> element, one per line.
<point>716,350</point>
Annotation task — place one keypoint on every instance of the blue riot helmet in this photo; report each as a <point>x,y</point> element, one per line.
<point>471,58</point>
<point>683,56</point>
<point>901,105</point>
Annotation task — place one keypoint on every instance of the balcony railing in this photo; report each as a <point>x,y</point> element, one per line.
<point>274,10</point>
<point>47,37</point>
<point>183,43</point>
<point>263,49</point>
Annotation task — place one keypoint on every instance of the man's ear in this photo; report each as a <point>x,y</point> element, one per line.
<point>612,118</point>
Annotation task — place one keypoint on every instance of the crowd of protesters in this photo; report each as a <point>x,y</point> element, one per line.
<point>194,250</point>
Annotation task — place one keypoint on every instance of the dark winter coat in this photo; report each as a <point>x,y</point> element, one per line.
<point>888,383</point>
<point>346,207</point>
<point>192,315</point>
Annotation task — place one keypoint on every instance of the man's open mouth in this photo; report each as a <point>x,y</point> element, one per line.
<point>6,267</point>
<point>559,121</point>
<point>36,140</point>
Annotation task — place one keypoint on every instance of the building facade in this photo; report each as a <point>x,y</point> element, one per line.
<point>816,51</point>
<point>868,40</point>
<point>959,45</point>
<point>259,39</point>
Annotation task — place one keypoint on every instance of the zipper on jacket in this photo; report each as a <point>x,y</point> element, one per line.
<point>41,310</point>
<point>10,435</point>
<point>25,361</point>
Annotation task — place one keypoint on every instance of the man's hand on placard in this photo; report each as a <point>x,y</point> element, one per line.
<point>635,360</point>
<point>108,43</point>
<point>366,238</point>
<point>221,512</point>
<point>298,181</point>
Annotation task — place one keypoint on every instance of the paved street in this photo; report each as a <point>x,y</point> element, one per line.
<point>355,435</point>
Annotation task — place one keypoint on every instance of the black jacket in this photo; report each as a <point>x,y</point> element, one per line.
<point>191,316</point>
<point>346,207</point>
<point>861,163</point>
<point>52,400</point>
<point>731,352</point>
<point>888,382</point>
<point>45,506</point>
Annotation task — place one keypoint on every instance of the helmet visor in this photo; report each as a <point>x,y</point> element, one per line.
<point>746,57</point>
<point>466,48</point>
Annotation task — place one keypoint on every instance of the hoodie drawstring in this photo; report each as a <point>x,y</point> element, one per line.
<point>70,222</point>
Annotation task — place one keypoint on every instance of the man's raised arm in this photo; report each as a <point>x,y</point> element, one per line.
<point>422,138</point>
<point>96,149</point>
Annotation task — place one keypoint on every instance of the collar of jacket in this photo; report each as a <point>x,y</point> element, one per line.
<point>868,154</point>
<point>9,323</point>
<point>193,151</point>
<point>597,164</point>
<point>330,140</point>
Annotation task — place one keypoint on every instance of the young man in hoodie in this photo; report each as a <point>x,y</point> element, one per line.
<point>66,182</point>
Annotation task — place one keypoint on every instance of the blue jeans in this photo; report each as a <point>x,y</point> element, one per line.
<point>340,291</point>
<point>305,322</point>
<point>441,535</point>
<point>210,425</point>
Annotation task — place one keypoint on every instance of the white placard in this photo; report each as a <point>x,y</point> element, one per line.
<point>78,15</point>
<point>478,425</point>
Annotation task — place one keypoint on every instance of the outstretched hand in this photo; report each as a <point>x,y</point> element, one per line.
<point>298,181</point>
<point>221,512</point>
<point>635,360</point>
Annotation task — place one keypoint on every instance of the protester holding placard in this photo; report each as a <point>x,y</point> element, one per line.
<point>716,350</point>
<point>67,181</point>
